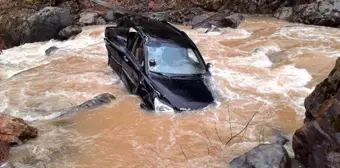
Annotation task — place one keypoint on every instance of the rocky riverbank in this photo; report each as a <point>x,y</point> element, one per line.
<point>317,143</point>
<point>32,21</point>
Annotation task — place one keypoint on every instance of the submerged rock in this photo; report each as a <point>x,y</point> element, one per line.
<point>69,31</point>
<point>51,50</point>
<point>46,24</point>
<point>213,29</point>
<point>96,102</point>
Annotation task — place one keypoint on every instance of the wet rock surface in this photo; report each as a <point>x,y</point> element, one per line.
<point>242,6</point>
<point>4,152</point>
<point>100,100</point>
<point>324,13</point>
<point>322,93</point>
<point>51,50</point>
<point>56,141</point>
<point>69,31</point>
<point>15,130</point>
<point>88,18</point>
<point>46,24</point>
<point>263,156</point>
<point>272,155</point>
<point>217,20</point>
<point>317,143</point>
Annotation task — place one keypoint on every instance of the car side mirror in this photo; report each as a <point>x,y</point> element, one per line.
<point>209,66</point>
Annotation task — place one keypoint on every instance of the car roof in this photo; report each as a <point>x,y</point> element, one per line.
<point>155,29</point>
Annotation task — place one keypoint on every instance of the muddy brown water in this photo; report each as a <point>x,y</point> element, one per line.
<point>263,71</point>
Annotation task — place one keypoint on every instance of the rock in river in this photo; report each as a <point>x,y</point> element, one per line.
<point>218,20</point>
<point>265,155</point>
<point>46,24</point>
<point>69,31</point>
<point>88,18</point>
<point>15,130</point>
<point>96,102</point>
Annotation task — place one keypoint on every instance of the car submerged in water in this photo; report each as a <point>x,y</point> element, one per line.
<point>160,63</point>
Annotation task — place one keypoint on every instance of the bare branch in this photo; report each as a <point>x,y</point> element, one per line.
<point>206,135</point>
<point>184,153</point>
<point>207,147</point>
<point>234,136</point>
<point>219,138</point>
<point>229,118</point>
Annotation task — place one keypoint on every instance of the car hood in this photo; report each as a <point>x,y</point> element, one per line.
<point>184,93</point>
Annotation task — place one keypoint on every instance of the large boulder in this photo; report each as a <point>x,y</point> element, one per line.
<point>322,92</point>
<point>263,156</point>
<point>317,143</point>
<point>219,20</point>
<point>46,24</point>
<point>324,13</point>
<point>15,130</point>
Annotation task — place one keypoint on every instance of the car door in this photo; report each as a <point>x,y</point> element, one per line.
<point>130,70</point>
<point>115,42</point>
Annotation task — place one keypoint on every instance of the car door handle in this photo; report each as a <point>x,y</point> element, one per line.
<point>125,59</point>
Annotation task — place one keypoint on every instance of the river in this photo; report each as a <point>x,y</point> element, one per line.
<point>262,73</point>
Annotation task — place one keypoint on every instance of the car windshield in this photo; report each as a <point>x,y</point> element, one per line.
<point>170,58</point>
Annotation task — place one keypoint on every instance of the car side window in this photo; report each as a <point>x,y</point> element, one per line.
<point>140,54</point>
<point>131,40</point>
<point>136,45</point>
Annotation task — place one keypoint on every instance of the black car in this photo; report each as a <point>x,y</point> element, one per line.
<point>158,62</point>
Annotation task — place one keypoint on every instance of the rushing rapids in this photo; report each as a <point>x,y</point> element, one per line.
<point>262,73</point>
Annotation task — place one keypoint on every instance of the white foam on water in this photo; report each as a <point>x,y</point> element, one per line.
<point>31,118</point>
<point>309,33</point>
<point>258,57</point>
<point>27,56</point>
